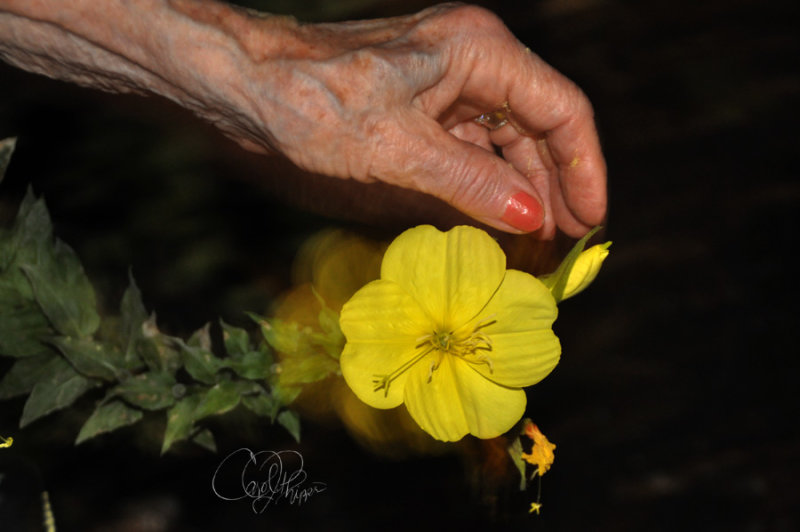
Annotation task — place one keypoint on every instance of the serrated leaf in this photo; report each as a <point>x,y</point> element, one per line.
<point>132,316</point>
<point>21,332</point>
<point>236,340</point>
<point>289,420</point>
<point>221,398</point>
<point>58,387</point>
<point>205,439</point>
<point>6,151</point>
<point>180,421</point>
<point>106,418</point>
<point>262,405</point>
<point>63,291</point>
<point>24,374</point>
<point>90,357</point>
<point>152,390</point>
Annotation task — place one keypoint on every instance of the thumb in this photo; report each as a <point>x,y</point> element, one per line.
<point>473,180</point>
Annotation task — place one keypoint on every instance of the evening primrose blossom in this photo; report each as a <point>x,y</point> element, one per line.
<point>450,332</point>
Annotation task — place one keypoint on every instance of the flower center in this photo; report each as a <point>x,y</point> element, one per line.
<point>473,347</point>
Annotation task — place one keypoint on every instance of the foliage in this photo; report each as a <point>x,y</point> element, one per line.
<point>62,348</point>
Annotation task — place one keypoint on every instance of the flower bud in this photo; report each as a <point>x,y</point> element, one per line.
<point>585,269</point>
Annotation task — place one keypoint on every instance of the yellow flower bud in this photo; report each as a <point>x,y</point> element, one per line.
<point>585,269</point>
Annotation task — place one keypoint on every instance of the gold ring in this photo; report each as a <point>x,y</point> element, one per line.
<point>493,119</point>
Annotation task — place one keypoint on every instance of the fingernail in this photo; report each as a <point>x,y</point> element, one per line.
<point>524,212</point>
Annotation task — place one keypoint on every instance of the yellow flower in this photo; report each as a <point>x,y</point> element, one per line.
<point>535,507</point>
<point>541,454</point>
<point>6,442</point>
<point>585,269</point>
<point>450,332</point>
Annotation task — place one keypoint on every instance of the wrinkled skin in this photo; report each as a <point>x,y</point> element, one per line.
<point>391,100</point>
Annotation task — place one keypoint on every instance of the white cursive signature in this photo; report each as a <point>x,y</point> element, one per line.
<point>264,478</point>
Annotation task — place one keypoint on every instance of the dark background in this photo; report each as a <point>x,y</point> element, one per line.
<point>674,406</point>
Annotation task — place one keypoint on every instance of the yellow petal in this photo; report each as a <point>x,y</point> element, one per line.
<point>452,275</point>
<point>382,325</point>
<point>455,400</point>
<point>524,348</point>
<point>585,269</point>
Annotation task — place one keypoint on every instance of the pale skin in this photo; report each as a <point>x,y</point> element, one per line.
<point>392,100</point>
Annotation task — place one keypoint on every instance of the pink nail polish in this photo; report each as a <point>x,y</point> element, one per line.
<point>524,212</point>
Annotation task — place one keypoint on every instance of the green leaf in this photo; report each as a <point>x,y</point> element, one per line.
<point>58,387</point>
<point>158,350</point>
<point>152,390</point>
<point>31,238</point>
<point>205,439</point>
<point>133,316</point>
<point>291,422</point>
<point>557,281</point>
<point>24,374</point>
<point>285,395</point>
<point>254,365</point>
<point>180,421</point>
<point>108,417</point>
<point>64,293</point>
<point>90,357</point>
<point>307,367</point>
<point>6,150</point>
<point>262,405</point>
<point>21,333</point>
<point>237,341</point>
<point>222,397</point>
<point>197,357</point>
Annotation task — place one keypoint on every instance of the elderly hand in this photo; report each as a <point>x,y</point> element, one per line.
<point>393,100</point>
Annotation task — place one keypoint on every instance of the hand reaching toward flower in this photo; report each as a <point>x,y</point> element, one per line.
<point>392,100</point>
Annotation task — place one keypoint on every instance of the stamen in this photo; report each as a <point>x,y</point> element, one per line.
<point>382,382</point>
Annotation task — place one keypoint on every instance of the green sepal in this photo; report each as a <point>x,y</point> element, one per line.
<point>153,390</point>
<point>515,452</point>
<point>108,417</point>
<point>557,281</point>
<point>90,357</point>
<point>58,387</point>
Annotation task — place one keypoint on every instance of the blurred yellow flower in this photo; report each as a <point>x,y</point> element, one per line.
<point>541,454</point>
<point>450,332</point>
<point>535,507</point>
<point>585,269</point>
<point>6,442</point>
